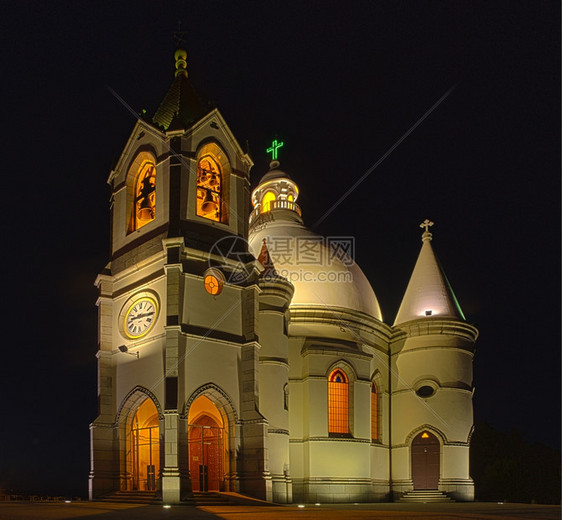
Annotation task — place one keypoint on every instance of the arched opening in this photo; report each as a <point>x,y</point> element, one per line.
<point>207,446</point>
<point>143,447</point>
<point>425,452</point>
<point>338,403</point>
<point>267,200</point>
<point>213,169</point>
<point>145,195</point>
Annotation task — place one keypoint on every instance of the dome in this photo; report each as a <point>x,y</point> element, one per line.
<point>321,276</point>
<point>274,173</point>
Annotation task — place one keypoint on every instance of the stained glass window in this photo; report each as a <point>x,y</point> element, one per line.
<point>338,403</point>
<point>375,426</point>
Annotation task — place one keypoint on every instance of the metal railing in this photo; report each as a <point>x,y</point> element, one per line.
<point>276,204</point>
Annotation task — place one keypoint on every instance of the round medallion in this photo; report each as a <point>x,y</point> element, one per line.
<point>214,281</point>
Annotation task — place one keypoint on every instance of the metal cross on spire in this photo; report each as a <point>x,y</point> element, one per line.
<point>275,145</point>
<point>179,36</point>
<point>426,224</point>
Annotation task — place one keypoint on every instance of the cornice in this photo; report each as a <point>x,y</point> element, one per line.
<point>428,326</point>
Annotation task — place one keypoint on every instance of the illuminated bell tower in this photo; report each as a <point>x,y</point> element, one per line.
<point>178,311</point>
<point>431,370</point>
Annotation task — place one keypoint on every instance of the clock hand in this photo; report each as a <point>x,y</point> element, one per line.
<point>145,315</point>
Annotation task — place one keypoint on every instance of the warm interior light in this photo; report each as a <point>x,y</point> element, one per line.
<point>145,195</point>
<point>374,413</point>
<point>143,445</point>
<point>212,285</point>
<point>209,188</point>
<point>425,435</point>
<point>266,201</point>
<point>207,445</point>
<point>338,402</point>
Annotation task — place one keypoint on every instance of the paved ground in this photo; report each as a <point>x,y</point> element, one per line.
<point>108,511</point>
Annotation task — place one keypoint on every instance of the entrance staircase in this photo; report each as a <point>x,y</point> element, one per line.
<point>209,499</point>
<point>133,497</point>
<point>425,495</point>
<point>151,497</point>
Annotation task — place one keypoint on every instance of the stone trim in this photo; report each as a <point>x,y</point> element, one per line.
<point>330,439</point>
<point>130,397</point>
<point>279,431</point>
<point>428,326</point>
<point>219,394</point>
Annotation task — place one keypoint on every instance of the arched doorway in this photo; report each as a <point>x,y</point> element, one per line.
<point>143,447</point>
<point>206,446</point>
<point>425,461</point>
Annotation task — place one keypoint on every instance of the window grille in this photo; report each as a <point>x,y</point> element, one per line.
<point>338,403</point>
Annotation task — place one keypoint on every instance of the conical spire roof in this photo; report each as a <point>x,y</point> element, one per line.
<point>181,106</point>
<point>429,293</point>
<point>265,259</point>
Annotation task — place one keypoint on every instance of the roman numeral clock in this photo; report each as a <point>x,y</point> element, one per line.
<point>139,315</point>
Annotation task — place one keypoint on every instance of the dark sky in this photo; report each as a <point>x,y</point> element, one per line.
<point>340,84</point>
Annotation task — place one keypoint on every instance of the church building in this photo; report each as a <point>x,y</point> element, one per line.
<point>241,352</point>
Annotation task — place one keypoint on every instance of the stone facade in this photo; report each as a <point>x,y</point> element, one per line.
<point>254,358</point>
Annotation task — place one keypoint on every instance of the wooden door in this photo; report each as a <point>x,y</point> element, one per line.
<point>205,454</point>
<point>425,461</point>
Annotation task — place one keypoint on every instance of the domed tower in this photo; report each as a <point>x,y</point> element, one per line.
<point>338,389</point>
<point>431,370</point>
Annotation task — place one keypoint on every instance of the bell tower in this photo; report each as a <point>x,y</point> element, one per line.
<point>178,306</point>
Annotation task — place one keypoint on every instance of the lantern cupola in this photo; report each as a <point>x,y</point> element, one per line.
<point>276,194</point>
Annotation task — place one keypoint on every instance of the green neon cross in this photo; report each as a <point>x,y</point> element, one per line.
<point>273,149</point>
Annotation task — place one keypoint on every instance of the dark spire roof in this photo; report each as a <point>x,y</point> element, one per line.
<point>265,260</point>
<point>181,106</point>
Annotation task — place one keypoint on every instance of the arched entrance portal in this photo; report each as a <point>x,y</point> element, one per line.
<point>206,445</point>
<point>425,461</point>
<point>143,447</point>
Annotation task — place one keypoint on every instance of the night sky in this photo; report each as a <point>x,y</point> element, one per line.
<point>340,84</point>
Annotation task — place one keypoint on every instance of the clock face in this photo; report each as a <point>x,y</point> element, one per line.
<point>140,317</point>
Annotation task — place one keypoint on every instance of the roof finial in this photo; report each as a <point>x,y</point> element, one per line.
<point>181,64</point>
<point>181,54</point>
<point>426,234</point>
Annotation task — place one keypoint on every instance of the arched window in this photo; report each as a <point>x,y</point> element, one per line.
<point>375,420</point>
<point>209,188</point>
<point>268,198</point>
<point>338,403</point>
<point>144,203</point>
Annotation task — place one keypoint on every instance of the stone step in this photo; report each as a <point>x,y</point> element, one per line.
<point>133,497</point>
<point>208,499</point>
<point>150,497</point>
<point>424,496</point>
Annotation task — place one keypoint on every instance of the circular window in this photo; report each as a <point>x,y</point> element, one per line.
<point>425,391</point>
<point>214,281</point>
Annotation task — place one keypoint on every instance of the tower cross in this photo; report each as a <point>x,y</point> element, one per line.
<point>179,36</point>
<point>275,145</point>
<point>426,224</point>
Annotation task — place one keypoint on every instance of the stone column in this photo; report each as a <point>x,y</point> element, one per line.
<point>170,473</point>
<point>104,473</point>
